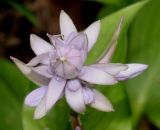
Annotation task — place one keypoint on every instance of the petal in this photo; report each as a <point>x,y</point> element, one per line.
<point>96,76</point>
<point>54,92</point>
<point>66,25</point>
<point>132,71</point>
<point>110,68</point>
<point>39,46</point>
<point>29,73</point>
<point>106,58</point>
<point>92,33</point>
<point>79,42</point>
<point>56,42</point>
<point>73,85</point>
<point>75,98</point>
<point>70,37</point>
<point>88,95</point>
<point>43,70</point>
<point>34,98</point>
<point>41,59</point>
<point>101,102</point>
<point>41,110</point>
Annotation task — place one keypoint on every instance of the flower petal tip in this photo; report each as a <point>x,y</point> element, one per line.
<point>37,115</point>
<point>62,11</point>
<point>21,65</point>
<point>92,33</point>
<point>132,71</point>
<point>38,45</point>
<point>66,24</point>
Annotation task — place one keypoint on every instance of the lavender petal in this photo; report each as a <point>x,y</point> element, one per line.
<point>66,25</point>
<point>88,95</point>
<point>34,98</point>
<point>41,110</point>
<point>96,76</point>
<point>92,33</point>
<point>79,42</point>
<point>54,92</point>
<point>41,59</point>
<point>132,71</point>
<point>43,70</point>
<point>111,68</point>
<point>75,98</point>
<point>39,46</point>
<point>29,73</point>
<point>101,102</point>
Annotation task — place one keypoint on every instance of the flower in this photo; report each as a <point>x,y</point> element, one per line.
<point>59,69</point>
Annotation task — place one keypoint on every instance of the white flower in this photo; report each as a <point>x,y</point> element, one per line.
<point>59,69</point>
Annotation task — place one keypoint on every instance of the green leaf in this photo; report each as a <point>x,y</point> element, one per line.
<point>13,87</point>
<point>14,79</point>
<point>121,118</point>
<point>57,119</point>
<point>111,2</point>
<point>108,26</point>
<point>10,109</point>
<point>144,47</point>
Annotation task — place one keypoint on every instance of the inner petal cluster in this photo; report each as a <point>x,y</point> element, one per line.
<point>66,62</point>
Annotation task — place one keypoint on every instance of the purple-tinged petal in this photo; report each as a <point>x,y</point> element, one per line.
<point>132,71</point>
<point>106,58</point>
<point>41,59</point>
<point>66,70</point>
<point>88,95</point>
<point>34,98</point>
<point>80,41</point>
<point>54,92</point>
<point>56,42</point>
<point>74,96</point>
<point>96,76</point>
<point>39,46</point>
<point>43,70</point>
<point>101,102</point>
<point>70,37</point>
<point>92,33</point>
<point>41,110</point>
<point>111,68</point>
<point>29,73</point>
<point>66,25</point>
<point>73,84</point>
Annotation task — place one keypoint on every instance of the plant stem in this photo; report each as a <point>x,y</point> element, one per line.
<point>75,121</point>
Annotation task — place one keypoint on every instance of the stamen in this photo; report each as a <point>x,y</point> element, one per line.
<point>62,58</point>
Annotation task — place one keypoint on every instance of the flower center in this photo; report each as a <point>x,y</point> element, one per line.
<point>62,58</point>
<point>67,62</point>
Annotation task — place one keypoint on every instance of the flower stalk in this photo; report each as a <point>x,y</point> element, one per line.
<point>75,121</point>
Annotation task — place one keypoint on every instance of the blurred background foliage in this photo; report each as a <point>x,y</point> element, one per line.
<point>137,101</point>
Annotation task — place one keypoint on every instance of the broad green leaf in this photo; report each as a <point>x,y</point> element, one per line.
<point>108,26</point>
<point>57,119</point>
<point>13,87</point>
<point>10,109</point>
<point>14,79</point>
<point>121,118</point>
<point>144,45</point>
<point>112,2</point>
